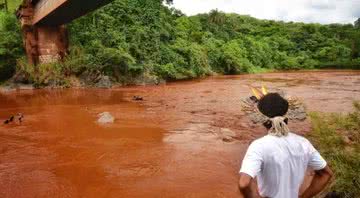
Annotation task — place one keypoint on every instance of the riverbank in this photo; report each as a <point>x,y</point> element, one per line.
<point>103,81</point>
<point>337,136</point>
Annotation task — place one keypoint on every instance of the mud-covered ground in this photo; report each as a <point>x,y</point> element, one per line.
<point>185,139</point>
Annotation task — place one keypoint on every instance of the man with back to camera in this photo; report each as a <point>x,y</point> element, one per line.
<point>280,159</point>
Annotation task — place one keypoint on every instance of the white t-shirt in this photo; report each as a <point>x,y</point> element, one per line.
<point>280,163</point>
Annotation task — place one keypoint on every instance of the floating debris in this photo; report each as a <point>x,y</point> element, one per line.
<point>138,98</point>
<point>18,117</point>
<point>9,120</point>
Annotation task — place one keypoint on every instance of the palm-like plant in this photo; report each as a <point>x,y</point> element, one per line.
<point>217,17</point>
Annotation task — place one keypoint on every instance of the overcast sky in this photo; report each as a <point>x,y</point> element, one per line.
<point>318,11</point>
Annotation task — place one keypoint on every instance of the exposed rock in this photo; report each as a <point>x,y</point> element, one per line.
<point>74,81</point>
<point>90,78</point>
<point>105,118</point>
<point>25,86</point>
<point>148,79</point>
<point>7,89</point>
<point>52,83</point>
<point>21,77</point>
<point>104,82</point>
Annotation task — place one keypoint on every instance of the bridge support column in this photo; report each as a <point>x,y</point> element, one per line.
<point>52,43</point>
<point>43,44</point>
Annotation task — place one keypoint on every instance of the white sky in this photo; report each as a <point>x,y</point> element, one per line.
<point>317,11</point>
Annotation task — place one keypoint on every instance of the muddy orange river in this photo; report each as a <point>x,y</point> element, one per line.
<point>168,145</point>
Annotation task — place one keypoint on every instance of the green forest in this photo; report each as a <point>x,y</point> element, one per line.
<point>149,40</point>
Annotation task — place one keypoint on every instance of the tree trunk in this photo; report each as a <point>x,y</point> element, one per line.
<point>6,6</point>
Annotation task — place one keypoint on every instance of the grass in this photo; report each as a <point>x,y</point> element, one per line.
<point>256,70</point>
<point>337,137</point>
<point>42,75</point>
<point>13,4</point>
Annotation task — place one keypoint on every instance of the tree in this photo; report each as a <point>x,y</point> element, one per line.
<point>357,23</point>
<point>10,44</point>
<point>4,5</point>
<point>135,38</point>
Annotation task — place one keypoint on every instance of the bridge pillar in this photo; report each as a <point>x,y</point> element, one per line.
<point>43,44</point>
<point>52,43</point>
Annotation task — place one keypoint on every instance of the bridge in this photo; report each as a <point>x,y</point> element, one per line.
<point>43,26</point>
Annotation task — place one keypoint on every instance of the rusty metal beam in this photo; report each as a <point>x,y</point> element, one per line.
<point>44,7</point>
<point>57,12</point>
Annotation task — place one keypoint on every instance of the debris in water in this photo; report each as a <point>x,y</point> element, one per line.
<point>138,98</point>
<point>20,117</point>
<point>105,118</point>
<point>9,120</point>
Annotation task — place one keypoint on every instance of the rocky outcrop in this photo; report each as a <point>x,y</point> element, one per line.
<point>7,88</point>
<point>105,118</point>
<point>95,79</point>
<point>104,82</point>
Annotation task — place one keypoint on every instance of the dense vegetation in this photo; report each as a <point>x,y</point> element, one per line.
<point>132,39</point>
<point>9,5</point>
<point>10,45</point>
<point>338,139</point>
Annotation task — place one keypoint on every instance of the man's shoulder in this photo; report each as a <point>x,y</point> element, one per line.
<point>298,138</point>
<point>270,139</point>
<point>260,142</point>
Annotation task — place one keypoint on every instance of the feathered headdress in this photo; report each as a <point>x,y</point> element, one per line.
<point>273,109</point>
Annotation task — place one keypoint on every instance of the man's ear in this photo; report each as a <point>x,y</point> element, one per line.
<point>267,124</point>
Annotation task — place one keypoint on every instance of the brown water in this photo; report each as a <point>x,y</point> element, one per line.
<point>168,145</point>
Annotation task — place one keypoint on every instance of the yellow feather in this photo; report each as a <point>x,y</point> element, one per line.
<point>264,90</point>
<point>257,93</point>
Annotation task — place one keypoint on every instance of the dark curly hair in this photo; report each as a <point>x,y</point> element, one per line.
<point>273,105</point>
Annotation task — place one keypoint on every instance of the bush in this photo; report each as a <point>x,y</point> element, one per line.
<point>50,74</point>
<point>234,58</point>
<point>195,61</point>
<point>168,72</point>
